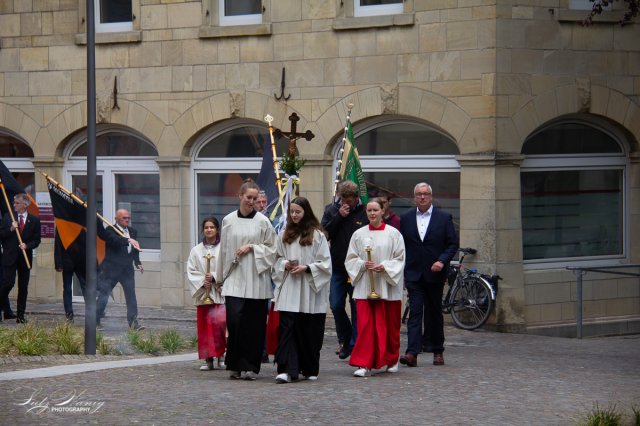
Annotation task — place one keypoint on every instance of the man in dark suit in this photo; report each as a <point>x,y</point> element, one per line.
<point>122,253</point>
<point>64,262</point>
<point>430,243</point>
<point>13,259</point>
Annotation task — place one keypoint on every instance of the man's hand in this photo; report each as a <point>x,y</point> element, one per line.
<point>244,250</point>
<point>134,243</point>
<point>437,266</point>
<point>344,210</point>
<point>140,268</point>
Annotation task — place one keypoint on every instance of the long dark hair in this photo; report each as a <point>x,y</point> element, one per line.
<point>216,224</point>
<point>303,229</point>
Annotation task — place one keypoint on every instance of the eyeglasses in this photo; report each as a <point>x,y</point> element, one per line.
<point>422,194</point>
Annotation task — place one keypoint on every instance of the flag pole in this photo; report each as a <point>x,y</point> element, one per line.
<point>79,200</point>
<point>269,119</point>
<point>340,154</point>
<point>13,219</point>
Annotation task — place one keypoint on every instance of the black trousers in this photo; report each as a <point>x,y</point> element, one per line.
<point>300,341</point>
<point>9,278</point>
<point>425,298</point>
<point>247,326</point>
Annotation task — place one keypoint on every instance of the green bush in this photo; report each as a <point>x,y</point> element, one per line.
<point>171,341</point>
<point>193,343</point>
<point>67,339</point>
<point>636,414</point>
<point>31,339</point>
<point>149,345</point>
<point>6,340</point>
<point>103,347</point>
<point>607,416</point>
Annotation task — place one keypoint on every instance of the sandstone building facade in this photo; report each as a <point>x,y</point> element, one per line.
<point>525,123</point>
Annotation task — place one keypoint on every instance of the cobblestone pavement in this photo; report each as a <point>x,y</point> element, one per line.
<point>489,379</point>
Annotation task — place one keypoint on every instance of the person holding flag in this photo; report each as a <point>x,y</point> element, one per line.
<point>19,235</point>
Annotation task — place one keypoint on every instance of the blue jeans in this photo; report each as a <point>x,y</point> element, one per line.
<point>345,329</point>
<point>67,291</point>
<point>425,298</point>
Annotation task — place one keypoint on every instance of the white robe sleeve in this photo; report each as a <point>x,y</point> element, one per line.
<point>353,263</point>
<point>195,272</point>
<point>277,274</point>
<point>394,266</point>
<point>321,267</point>
<point>265,252</point>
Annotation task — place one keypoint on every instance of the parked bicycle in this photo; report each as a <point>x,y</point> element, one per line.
<point>471,294</point>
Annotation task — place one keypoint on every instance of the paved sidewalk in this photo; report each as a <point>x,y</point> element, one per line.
<point>489,379</point>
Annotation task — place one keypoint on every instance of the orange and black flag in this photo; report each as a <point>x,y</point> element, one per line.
<point>12,188</point>
<point>71,218</point>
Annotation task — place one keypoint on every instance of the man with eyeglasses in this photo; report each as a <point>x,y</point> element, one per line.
<point>13,258</point>
<point>430,244</point>
<point>122,253</point>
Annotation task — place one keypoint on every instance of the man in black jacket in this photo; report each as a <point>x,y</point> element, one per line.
<point>122,253</point>
<point>13,259</point>
<point>341,219</point>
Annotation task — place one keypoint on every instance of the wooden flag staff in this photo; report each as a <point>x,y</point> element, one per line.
<point>79,200</point>
<point>13,219</point>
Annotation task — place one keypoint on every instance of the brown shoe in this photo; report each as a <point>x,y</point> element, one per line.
<point>438,359</point>
<point>409,360</point>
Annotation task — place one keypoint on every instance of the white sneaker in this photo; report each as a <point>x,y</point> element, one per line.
<point>250,375</point>
<point>393,368</point>
<point>362,372</point>
<point>221,364</point>
<point>312,378</point>
<point>205,367</point>
<point>283,378</point>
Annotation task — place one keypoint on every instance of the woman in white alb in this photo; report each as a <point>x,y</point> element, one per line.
<point>378,342</point>
<point>211,318</point>
<point>302,273</point>
<point>247,253</point>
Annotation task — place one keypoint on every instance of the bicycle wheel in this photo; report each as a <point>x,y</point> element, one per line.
<point>471,303</point>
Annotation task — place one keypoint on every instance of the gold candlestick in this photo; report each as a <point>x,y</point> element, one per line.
<point>207,298</point>
<point>373,294</point>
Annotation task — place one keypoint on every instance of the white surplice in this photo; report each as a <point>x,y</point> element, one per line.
<point>251,278</point>
<point>387,249</point>
<point>307,292</point>
<point>196,269</point>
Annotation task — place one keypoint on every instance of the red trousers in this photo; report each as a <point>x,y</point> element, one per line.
<point>378,341</point>
<point>212,327</point>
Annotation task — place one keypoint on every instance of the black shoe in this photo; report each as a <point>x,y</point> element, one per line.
<point>265,358</point>
<point>136,326</point>
<point>10,315</point>
<point>345,352</point>
<point>21,320</point>
<point>69,317</point>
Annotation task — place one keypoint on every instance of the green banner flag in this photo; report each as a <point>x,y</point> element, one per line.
<point>350,168</point>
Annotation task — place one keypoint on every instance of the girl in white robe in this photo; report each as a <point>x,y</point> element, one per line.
<point>378,341</point>
<point>211,318</point>
<point>247,252</point>
<point>302,273</point>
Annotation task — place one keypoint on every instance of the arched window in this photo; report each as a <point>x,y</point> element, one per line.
<point>16,156</point>
<point>128,177</point>
<point>397,153</point>
<point>573,191</point>
<point>224,156</point>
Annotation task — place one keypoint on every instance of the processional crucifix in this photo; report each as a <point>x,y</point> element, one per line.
<point>293,135</point>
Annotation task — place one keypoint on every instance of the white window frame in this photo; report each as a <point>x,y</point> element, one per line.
<point>110,27</point>
<point>598,161</point>
<point>108,168</point>
<point>251,19</point>
<point>377,10</point>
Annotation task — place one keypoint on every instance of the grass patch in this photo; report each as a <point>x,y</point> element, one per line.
<point>193,343</point>
<point>635,410</point>
<point>103,347</point>
<point>67,339</point>
<point>31,339</point>
<point>171,341</point>
<point>6,341</point>
<point>602,416</point>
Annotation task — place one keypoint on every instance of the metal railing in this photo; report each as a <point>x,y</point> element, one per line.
<point>580,271</point>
